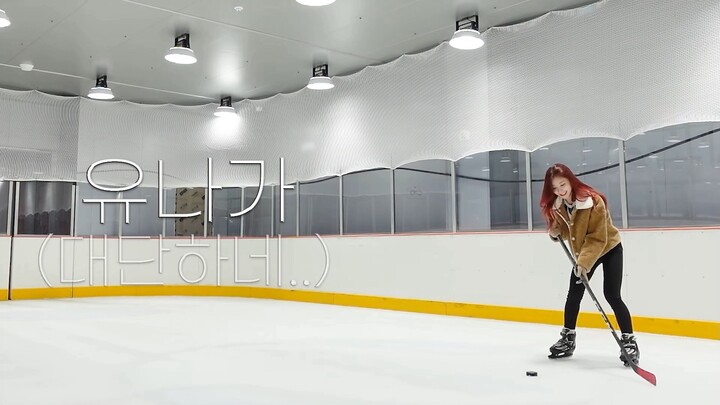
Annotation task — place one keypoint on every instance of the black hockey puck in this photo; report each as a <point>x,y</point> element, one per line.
<point>531,373</point>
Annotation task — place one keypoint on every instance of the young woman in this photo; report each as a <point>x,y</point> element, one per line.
<point>577,213</point>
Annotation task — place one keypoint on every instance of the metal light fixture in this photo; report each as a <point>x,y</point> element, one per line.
<point>320,79</point>
<point>101,91</point>
<point>315,3</point>
<point>225,108</point>
<point>4,20</point>
<point>181,52</point>
<point>466,34</point>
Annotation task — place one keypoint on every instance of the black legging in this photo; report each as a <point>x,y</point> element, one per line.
<point>612,263</point>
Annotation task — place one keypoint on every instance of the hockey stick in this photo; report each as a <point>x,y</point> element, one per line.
<point>650,377</point>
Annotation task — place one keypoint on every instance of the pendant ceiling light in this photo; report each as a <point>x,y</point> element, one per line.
<point>4,20</point>
<point>101,91</point>
<point>181,52</point>
<point>466,34</point>
<point>315,3</point>
<point>225,108</point>
<point>320,79</point>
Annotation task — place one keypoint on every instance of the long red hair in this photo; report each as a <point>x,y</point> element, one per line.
<point>580,190</point>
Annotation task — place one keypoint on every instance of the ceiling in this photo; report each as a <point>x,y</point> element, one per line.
<point>267,48</point>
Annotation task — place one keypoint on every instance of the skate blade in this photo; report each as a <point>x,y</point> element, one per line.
<point>559,355</point>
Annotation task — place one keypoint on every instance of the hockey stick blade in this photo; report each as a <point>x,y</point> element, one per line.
<point>648,376</point>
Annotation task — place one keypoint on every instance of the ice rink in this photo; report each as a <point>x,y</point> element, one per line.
<point>204,350</point>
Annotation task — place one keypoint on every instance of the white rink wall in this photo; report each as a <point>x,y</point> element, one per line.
<point>5,243</point>
<point>668,273</point>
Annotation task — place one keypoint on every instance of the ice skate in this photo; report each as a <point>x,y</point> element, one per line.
<point>630,345</point>
<point>565,346</point>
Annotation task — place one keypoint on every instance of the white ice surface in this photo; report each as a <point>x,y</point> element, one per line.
<point>202,350</point>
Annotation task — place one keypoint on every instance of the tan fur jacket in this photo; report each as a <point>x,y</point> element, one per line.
<point>589,229</point>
